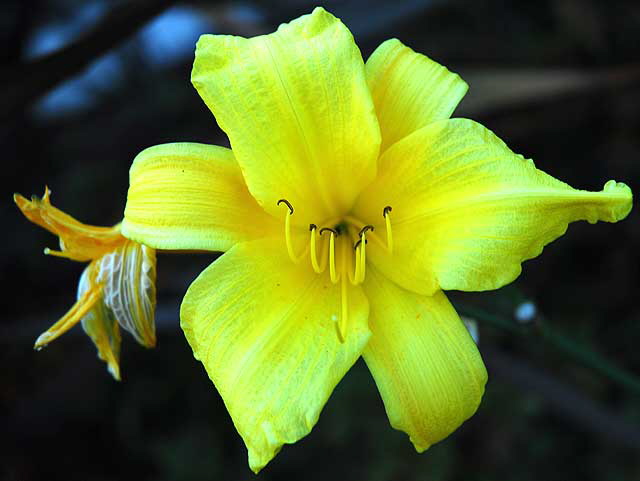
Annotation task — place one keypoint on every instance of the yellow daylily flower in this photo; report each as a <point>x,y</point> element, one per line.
<point>116,289</point>
<point>348,202</point>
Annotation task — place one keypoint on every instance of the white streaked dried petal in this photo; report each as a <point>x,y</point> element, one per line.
<point>102,327</point>
<point>129,277</point>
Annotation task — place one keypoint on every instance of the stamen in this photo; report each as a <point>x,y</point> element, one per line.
<point>360,255</point>
<point>357,244</point>
<point>350,270</point>
<point>361,225</point>
<point>387,220</point>
<point>287,230</point>
<point>363,256</point>
<point>285,201</point>
<point>365,229</point>
<point>332,259</point>
<point>332,253</point>
<point>354,267</point>
<point>314,255</point>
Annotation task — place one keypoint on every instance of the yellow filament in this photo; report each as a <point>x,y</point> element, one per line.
<point>332,259</point>
<point>359,225</point>
<point>325,255</point>
<point>342,325</point>
<point>358,267</point>
<point>314,255</point>
<point>353,270</point>
<point>287,236</point>
<point>363,258</point>
<point>353,267</point>
<point>387,221</point>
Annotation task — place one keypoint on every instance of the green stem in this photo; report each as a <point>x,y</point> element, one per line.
<point>565,345</point>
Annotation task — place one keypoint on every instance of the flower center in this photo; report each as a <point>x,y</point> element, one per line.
<point>343,248</point>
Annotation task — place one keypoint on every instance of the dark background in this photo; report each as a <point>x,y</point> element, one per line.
<point>86,85</point>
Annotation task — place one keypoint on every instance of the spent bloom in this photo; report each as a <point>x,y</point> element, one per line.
<point>116,289</point>
<point>348,202</point>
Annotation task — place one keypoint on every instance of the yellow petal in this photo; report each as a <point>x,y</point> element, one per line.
<point>264,328</point>
<point>89,294</point>
<point>467,211</point>
<point>409,90</point>
<point>425,364</point>
<point>102,327</point>
<point>128,275</point>
<point>97,320</point>
<point>298,112</point>
<point>78,241</point>
<point>191,196</point>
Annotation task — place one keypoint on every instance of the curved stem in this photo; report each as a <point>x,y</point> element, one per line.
<point>560,342</point>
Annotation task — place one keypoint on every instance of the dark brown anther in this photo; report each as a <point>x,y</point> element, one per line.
<point>386,210</point>
<point>355,246</point>
<point>285,201</point>
<point>329,229</point>
<point>365,229</point>
<point>312,227</point>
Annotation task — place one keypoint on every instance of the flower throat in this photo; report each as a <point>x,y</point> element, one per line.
<point>343,248</point>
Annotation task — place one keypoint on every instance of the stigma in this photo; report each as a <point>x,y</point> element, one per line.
<point>339,248</point>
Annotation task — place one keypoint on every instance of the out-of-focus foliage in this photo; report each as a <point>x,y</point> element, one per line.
<point>559,81</point>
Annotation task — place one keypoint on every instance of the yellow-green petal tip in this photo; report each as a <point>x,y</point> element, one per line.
<point>623,199</point>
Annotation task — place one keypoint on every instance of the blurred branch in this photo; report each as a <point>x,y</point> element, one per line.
<point>566,401</point>
<point>15,36</point>
<point>588,357</point>
<point>505,90</point>
<point>24,83</point>
<point>563,344</point>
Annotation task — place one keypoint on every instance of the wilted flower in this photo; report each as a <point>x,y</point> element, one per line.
<point>116,289</point>
<point>385,202</point>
